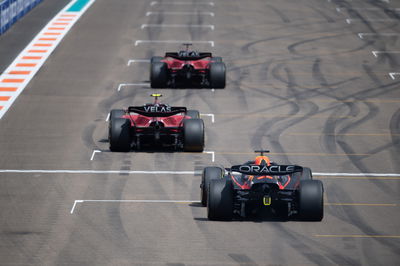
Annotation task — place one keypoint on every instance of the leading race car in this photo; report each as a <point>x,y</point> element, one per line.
<point>187,68</point>
<point>243,190</point>
<point>156,125</point>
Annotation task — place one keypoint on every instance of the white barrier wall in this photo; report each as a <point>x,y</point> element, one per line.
<point>12,10</point>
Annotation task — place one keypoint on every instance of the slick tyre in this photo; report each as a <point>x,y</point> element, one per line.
<point>119,135</point>
<point>311,200</point>
<point>158,75</point>
<point>116,113</point>
<point>193,114</point>
<point>220,200</point>
<point>193,135</point>
<point>217,75</point>
<point>156,59</point>
<point>216,59</point>
<point>209,173</point>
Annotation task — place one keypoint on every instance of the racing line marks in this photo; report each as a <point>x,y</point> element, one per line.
<point>178,13</point>
<point>137,42</point>
<point>212,27</point>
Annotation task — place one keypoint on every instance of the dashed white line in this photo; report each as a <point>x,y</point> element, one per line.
<point>177,13</point>
<point>212,155</point>
<point>137,42</point>
<point>350,20</point>
<point>73,206</point>
<point>94,153</point>
<point>132,201</point>
<point>212,27</point>
<point>376,53</point>
<point>108,117</point>
<point>211,115</point>
<point>361,34</point>
<point>130,172</point>
<point>120,86</point>
<point>394,74</point>
<point>130,61</point>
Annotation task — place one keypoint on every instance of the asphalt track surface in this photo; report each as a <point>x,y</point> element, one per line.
<point>301,82</point>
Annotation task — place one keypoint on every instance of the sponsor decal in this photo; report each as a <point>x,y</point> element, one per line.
<point>157,109</point>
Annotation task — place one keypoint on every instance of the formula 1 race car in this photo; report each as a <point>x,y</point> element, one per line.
<point>156,125</point>
<point>243,190</point>
<point>187,68</point>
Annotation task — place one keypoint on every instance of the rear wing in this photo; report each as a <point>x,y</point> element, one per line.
<point>188,58</point>
<point>251,169</point>
<point>156,111</point>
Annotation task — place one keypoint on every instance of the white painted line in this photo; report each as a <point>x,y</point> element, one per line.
<point>94,153</point>
<point>376,53</point>
<point>338,9</point>
<point>394,74</point>
<point>133,201</point>
<point>166,172</point>
<point>358,174</point>
<point>120,86</point>
<point>108,117</point>
<point>36,49</point>
<point>73,207</point>
<point>130,61</point>
<point>181,3</point>
<point>350,20</point>
<point>176,26</point>
<point>137,42</point>
<point>212,155</point>
<point>211,115</point>
<point>177,13</point>
<point>361,34</point>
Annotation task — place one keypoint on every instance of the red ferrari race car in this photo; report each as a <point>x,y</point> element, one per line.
<point>156,125</point>
<point>244,190</point>
<point>187,68</point>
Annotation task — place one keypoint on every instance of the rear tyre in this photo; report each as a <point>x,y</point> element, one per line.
<point>220,200</point>
<point>158,75</point>
<point>193,114</point>
<point>156,59</point>
<point>311,200</point>
<point>209,173</point>
<point>217,75</point>
<point>116,113</point>
<point>216,59</point>
<point>119,135</point>
<point>193,135</point>
<point>306,174</point>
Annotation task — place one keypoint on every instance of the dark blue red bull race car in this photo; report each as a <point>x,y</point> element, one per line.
<point>244,190</point>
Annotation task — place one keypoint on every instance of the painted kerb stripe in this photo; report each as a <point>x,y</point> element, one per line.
<point>38,51</point>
